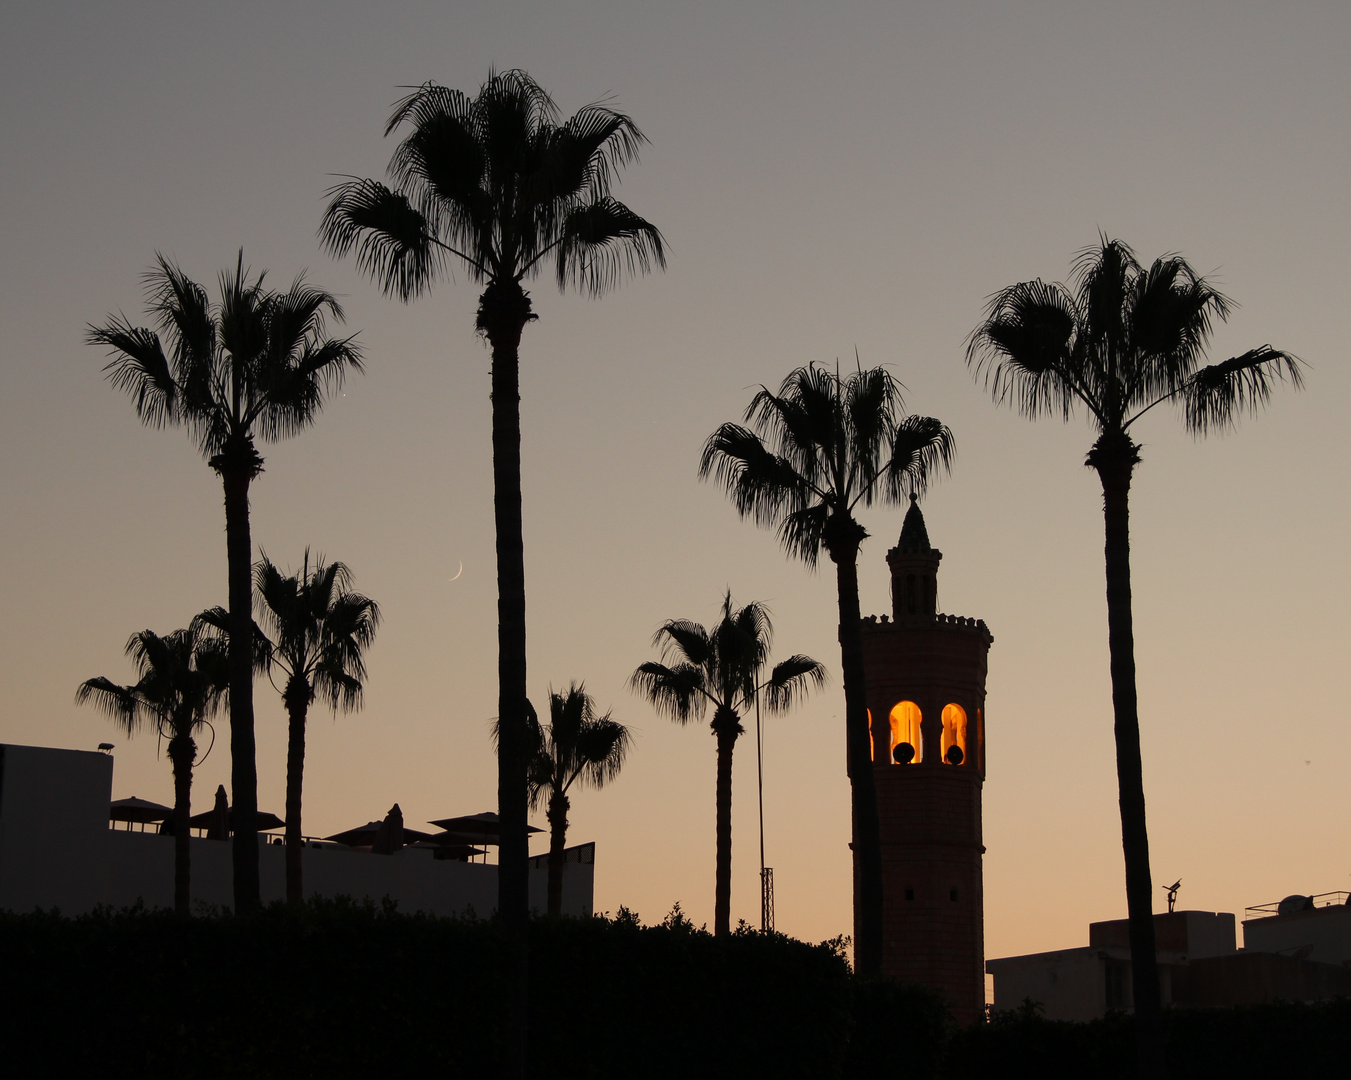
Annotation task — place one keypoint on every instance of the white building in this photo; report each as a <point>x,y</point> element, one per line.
<point>58,851</point>
<point>1295,951</point>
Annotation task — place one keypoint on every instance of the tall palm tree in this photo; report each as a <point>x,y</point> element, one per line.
<point>255,364</point>
<point>577,747</point>
<point>317,631</point>
<point>1119,341</point>
<point>183,678</point>
<point>721,666</point>
<point>824,445</point>
<point>495,185</point>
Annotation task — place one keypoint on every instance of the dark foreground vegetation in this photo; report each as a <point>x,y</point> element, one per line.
<point>340,990</point>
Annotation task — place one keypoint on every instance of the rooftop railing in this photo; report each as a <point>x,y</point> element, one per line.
<point>1317,900</point>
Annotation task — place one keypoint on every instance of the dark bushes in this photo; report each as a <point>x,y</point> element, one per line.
<point>1254,1042</point>
<point>337,990</point>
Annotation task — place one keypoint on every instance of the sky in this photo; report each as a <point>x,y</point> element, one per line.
<point>856,179</point>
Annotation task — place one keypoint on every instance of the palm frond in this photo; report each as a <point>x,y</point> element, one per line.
<point>1025,346</point>
<point>390,237</point>
<point>761,484</point>
<point>790,680</point>
<point>920,447</point>
<point>678,692</point>
<point>119,703</point>
<point>1215,395</point>
<point>602,746</point>
<point>139,368</point>
<point>684,639</point>
<point>602,242</point>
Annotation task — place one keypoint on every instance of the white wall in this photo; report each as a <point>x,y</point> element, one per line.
<point>53,820</point>
<point>1069,984</point>
<point>1324,932</point>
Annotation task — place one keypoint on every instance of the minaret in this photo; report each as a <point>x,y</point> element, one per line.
<point>925,673</point>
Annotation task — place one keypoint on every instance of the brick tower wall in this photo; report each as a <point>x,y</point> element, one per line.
<point>930,812</point>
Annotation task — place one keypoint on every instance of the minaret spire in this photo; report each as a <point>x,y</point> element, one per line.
<point>914,569</point>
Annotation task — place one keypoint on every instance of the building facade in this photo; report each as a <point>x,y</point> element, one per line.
<point>925,676</point>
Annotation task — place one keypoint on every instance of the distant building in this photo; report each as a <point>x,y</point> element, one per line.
<point>58,851</point>
<point>925,672</point>
<point>1295,951</point>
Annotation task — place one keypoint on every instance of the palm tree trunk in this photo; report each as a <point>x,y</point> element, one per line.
<point>726,727</point>
<point>181,753</point>
<point>504,309</point>
<point>295,773</point>
<point>558,838</point>
<point>236,476</point>
<point>863,787</point>
<point>1114,458</point>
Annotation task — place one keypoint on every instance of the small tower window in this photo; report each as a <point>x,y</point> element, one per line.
<point>954,748</point>
<point>905,722</point>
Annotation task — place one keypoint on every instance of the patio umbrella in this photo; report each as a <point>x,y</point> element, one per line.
<point>484,828</point>
<point>219,820</point>
<point>364,835</point>
<point>140,810</point>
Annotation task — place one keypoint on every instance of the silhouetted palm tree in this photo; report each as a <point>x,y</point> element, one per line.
<point>496,185</point>
<point>317,632</point>
<point>256,364</point>
<point>183,678</point>
<point>577,746</point>
<point>1121,341</point>
<point>721,666</point>
<point>827,444</point>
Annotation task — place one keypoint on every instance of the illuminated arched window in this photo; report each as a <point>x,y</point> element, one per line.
<point>954,748</point>
<point>905,718</point>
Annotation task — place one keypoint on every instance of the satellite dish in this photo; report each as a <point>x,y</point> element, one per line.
<point>903,753</point>
<point>1293,903</point>
<point>955,755</point>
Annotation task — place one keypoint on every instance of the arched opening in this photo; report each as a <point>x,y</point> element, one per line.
<point>980,741</point>
<point>905,720</point>
<point>954,748</point>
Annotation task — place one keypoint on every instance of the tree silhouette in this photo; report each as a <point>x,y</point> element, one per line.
<point>183,677</point>
<point>1119,342</point>
<point>496,185</point>
<point>818,449</point>
<point>721,666</point>
<point>577,747</point>
<point>256,364</point>
<point>316,631</point>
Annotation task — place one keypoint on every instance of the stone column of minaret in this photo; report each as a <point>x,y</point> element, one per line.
<point>925,672</point>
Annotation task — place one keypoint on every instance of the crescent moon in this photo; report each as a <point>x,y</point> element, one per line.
<point>459,571</point>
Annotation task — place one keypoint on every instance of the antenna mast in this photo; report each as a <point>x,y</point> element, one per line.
<point>766,872</point>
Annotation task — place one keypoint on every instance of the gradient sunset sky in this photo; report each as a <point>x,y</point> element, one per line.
<point>829,179</point>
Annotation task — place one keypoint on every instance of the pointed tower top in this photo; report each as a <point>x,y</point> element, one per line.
<point>914,536</point>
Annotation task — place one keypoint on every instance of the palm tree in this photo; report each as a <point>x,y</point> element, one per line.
<point>317,632</point>
<point>577,747</point>
<point>256,364</point>
<point>183,678</point>
<point>721,666</point>
<point>818,449</point>
<point>1119,342</point>
<point>496,185</point>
